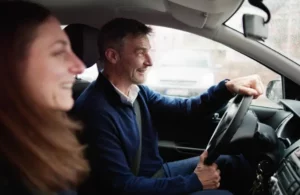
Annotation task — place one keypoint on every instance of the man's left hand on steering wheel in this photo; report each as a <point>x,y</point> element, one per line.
<point>249,85</point>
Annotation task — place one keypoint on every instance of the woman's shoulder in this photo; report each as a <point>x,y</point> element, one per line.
<point>10,184</point>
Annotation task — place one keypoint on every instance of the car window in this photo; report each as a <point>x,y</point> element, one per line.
<point>184,58</point>
<point>185,65</point>
<point>283,29</point>
<point>90,74</point>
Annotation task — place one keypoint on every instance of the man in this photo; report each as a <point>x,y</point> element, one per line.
<point>111,129</point>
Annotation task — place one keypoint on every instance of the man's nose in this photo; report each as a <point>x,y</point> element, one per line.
<point>148,61</point>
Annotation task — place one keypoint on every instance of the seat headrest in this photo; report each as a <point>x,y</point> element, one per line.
<point>83,40</point>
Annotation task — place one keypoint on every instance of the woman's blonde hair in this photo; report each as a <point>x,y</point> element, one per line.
<point>39,144</point>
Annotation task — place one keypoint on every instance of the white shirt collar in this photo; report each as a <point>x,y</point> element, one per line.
<point>133,93</point>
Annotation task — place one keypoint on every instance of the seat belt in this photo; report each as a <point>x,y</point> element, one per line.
<point>136,164</point>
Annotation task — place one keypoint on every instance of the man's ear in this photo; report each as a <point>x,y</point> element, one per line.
<point>112,55</point>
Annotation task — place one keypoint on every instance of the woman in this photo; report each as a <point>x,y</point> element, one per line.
<point>39,151</point>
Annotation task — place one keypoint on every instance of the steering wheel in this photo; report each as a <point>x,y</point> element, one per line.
<point>227,127</point>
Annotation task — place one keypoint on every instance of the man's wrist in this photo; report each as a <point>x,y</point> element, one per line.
<point>229,87</point>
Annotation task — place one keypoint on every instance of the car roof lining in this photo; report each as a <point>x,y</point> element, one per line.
<point>205,14</point>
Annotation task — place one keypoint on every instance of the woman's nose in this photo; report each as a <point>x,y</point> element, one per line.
<point>77,66</point>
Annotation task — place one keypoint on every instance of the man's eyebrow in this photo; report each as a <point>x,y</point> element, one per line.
<point>142,48</point>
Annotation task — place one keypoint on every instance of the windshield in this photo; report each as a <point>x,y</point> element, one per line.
<point>284,27</point>
<point>189,63</point>
<point>184,59</point>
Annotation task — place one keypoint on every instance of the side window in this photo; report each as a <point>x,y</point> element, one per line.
<point>90,74</point>
<point>186,65</point>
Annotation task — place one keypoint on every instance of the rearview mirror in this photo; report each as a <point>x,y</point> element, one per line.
<point>274,90</point>
<point>255,27</point>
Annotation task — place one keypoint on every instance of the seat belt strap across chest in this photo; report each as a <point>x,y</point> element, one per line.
<point>136,163</point>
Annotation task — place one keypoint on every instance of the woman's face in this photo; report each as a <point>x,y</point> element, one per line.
<point>51,67</point>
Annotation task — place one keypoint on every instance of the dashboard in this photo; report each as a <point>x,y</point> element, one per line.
<point>286,180</point>
<point>289,126</point>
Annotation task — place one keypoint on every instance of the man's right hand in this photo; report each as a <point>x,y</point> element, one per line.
<point>209,175</point>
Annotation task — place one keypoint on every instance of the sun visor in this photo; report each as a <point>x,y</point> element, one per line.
<point>202,13</point>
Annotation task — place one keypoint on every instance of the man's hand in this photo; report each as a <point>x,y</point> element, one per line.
<point>209,176</point>
<point>249,85</point>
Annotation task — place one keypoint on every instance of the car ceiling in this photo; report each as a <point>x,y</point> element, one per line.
<point>201,13</point>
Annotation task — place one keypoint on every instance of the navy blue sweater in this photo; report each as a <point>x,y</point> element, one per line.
<point>111,133</point>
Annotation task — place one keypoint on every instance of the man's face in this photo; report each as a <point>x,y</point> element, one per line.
<point>134,59</point>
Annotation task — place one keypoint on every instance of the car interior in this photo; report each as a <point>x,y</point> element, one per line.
<point>222,132</point>
<point>83,39</point>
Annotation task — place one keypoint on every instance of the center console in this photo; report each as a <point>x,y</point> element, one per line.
<point>286,180</point>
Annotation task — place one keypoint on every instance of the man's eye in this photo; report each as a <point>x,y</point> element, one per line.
<point>140,52</point>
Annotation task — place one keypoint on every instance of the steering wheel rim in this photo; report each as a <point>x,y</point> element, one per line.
<point>228,126</point>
